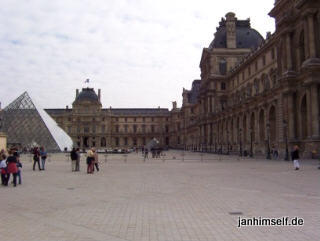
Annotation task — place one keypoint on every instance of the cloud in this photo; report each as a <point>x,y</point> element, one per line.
<point>140,53</point>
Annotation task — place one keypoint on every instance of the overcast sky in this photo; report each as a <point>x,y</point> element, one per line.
<point>141,53</point>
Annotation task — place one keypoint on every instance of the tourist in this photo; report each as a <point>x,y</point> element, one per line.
<point>3,167</point>
<point>295,157</point>
<point>78,160</point>
<point>19,166</point>
<point>146,153</point>
<point>36,158</point>
<point>12,167</point>
<point>74,157</point>
<point>90,161</point>
<point>43,155</point>
<point>96,160</point>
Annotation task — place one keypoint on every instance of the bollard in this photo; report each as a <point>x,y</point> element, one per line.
<point>201,155</point>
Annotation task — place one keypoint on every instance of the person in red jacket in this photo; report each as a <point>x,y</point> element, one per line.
<point>12,167</point>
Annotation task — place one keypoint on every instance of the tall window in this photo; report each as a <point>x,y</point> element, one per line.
<point>126,141</point>
<point>135,128</point>
<point>223,66</point>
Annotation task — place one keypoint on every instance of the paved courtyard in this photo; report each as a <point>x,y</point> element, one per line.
<point>199,198</point>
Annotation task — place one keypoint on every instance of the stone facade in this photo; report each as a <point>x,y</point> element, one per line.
<point>257,95</point>
<point>90,125</point>
<point>254,94</point>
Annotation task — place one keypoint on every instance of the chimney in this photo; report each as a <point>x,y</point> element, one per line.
<point>174,105</point>
<point>231,30</point>
<point>99,94</point>
<point>77,92</point>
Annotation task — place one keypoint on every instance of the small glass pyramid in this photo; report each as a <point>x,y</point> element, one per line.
<point>26,125</point>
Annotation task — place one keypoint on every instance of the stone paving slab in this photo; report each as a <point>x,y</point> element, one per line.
<point>161,200</point>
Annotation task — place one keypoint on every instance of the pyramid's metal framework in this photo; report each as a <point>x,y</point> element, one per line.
<point>26,125</point>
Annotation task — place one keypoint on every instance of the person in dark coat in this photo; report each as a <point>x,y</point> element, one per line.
<point>74,157</point>
<point>12,167</point>
<point>36,158</point>
<point>78,160</point>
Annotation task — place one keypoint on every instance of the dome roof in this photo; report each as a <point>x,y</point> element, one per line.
<point>246,37</point>
<point>87,94</point>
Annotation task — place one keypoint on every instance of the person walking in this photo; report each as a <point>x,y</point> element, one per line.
<point>96,160</point>
<point>78,160</point>
<point>36,158</point>
<point>43,155</point>
<point>19,166</point>
<point>295,157</point>
<point>90,161</point>
<point>3,167</point>
<point>74,157</point>
<point>12,167</point>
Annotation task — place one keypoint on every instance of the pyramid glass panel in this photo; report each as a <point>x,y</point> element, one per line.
<point>27,125</point>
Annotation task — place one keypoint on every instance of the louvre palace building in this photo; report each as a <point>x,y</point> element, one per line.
<point>255,94</point>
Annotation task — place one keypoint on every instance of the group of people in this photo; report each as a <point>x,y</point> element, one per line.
<point>10,165</point>
<point>75,156</point>
<point>92,160</point>
<point>39,153</point>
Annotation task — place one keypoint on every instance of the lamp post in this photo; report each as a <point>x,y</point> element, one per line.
<point>268,141</point>
<point>240,142</point>
<point>251,147</point>
<point>285,125</point>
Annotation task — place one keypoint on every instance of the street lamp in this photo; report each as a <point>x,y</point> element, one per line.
<point>251,148</point>
<point>285,125</point>
<point>240,130</point>
<point>268,141</point>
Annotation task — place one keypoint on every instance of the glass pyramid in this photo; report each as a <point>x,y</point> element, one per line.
<point>27,125</point>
